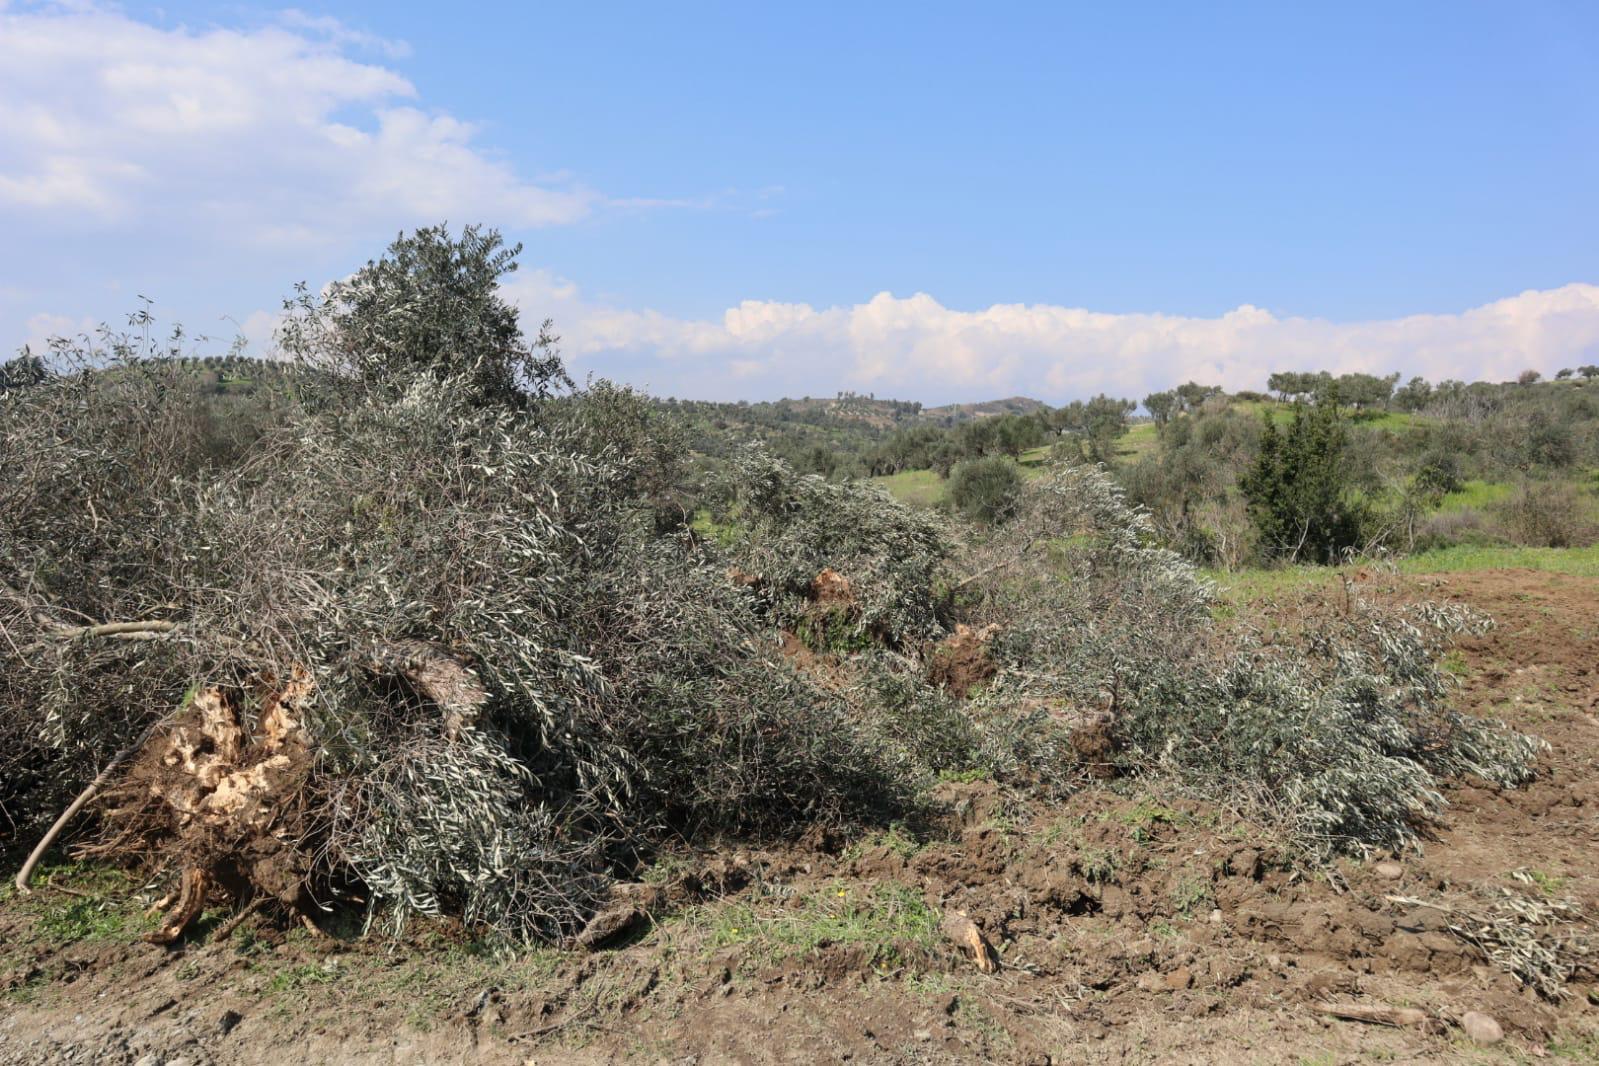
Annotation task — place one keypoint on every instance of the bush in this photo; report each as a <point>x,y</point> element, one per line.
<point>984,490</point>
<point>1440,473</point>
<point>1300,488</point>
<point>1546,515</point>
<point>1446,529</point>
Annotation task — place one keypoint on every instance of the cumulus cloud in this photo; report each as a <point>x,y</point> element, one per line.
<point>916,348</point>
<point>277,133</point>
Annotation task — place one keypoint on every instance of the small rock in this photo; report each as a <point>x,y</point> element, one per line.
<point>1215,916</point>
<point>1389,870</point>
<point>1179,979</point>
<point>1481,1028</point>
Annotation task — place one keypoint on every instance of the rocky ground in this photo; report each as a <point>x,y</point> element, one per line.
<point>1129,925</point>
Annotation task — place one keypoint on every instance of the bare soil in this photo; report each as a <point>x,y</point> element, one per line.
<point>1131,925</point>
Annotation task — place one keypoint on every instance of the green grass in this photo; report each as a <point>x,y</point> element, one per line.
<point>1138,441</point>
<point>1396,421</point>
<point>98,906</point>
<point>885,919</point>
<point>704,525</point>
<point>1245,586</point>
<point>1583,562</point>
<point>1475,494</point>
<point>918,488</point>
<point>1255,583</point>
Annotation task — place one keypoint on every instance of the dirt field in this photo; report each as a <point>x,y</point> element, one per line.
<point>1131,926</point>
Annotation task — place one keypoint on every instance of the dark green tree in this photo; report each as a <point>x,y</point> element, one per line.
<point>1414,395</point>
<point>1298,491</point>
<point>1160,406</point>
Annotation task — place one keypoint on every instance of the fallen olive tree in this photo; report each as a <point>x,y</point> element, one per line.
<point>427,636</point>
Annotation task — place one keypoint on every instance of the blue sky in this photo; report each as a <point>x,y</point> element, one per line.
<point>934,201</point>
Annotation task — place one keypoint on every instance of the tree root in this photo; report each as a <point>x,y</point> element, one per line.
<point>191,901</point>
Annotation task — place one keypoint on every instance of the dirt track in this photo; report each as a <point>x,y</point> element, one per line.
<point>1147,928</point>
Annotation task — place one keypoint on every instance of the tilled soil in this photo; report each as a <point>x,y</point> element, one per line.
<point>1130,926</point>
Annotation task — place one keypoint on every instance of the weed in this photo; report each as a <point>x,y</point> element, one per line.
<point>895,838</point>
<point>301,977</point>
<point>1548,884</point>
<point>1097,865</point>
<point>1189,894</point>
<point>891,921</point>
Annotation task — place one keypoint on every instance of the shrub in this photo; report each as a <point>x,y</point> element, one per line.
<point>1299,490</point>
<point>984,490</point>
<point>1445,529</point>
<point>1439,473</point>
<point>1545,515</point>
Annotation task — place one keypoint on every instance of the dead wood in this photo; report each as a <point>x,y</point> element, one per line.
<point>964,932</point>
<point>1376,1014</point>
<point>438,675</point>
<point>191,901</point>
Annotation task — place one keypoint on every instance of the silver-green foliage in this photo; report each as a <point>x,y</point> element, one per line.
<point>631,688</point>
<point>792,526</point>
<point>1345,731</point>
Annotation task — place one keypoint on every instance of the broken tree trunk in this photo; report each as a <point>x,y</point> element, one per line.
<point>964,932</point>
<point>438,675</point>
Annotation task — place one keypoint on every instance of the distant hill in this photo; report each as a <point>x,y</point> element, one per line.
<point>952,413</point>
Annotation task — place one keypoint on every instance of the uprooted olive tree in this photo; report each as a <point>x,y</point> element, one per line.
<point>426,637</point>
<point>418,638</point>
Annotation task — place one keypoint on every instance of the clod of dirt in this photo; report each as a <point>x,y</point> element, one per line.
<point>960,662</point>
<point>1481,1028</point>
<point>439,675</point>
<point>832,589</point>
<point>1389,870</point>
<point>607,924</point>
<point>1093,738</point>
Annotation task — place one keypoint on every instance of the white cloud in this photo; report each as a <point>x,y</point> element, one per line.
<point>40,329</point>
<point>916,348</point>
<point>275,133</point>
